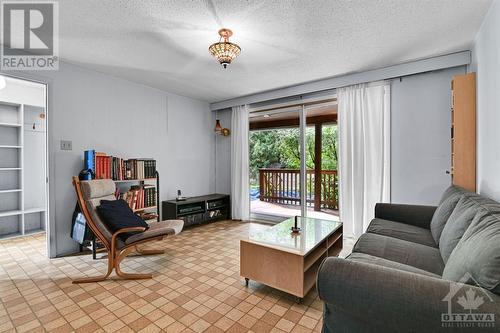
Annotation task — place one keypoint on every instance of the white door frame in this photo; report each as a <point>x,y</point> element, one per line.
<point>303,159</point>
<point>50,239</point>
<point>302,109</point>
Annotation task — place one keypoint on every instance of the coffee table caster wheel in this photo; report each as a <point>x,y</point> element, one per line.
<point>298,300</point>
<point>246,281</point>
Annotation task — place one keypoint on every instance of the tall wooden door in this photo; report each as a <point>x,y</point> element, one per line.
<point>463,131</point>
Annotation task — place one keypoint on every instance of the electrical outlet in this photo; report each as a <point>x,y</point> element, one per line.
<point>66,145</point>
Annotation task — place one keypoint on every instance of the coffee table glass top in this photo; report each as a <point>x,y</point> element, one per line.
<point>313,231</point>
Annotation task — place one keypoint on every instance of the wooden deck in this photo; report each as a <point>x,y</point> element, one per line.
<point>268,208</point>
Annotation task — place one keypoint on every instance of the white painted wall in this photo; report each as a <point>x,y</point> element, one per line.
<point>385,73</point>
<point>223,159</point>
<point>23,92</point>
<point>98,111</point>
<point>485,61</point>
<point>420,136</point>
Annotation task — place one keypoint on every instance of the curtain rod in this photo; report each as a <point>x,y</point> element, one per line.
<point>293,104</point>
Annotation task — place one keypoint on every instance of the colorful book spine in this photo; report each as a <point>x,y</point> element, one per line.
<point>112,167</point>
<point>89,160</point>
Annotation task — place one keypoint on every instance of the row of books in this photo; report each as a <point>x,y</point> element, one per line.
<point>143,168</point>
<point>111,167</point>
<point>139,196</point>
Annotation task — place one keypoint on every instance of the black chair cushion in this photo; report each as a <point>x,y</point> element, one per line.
<point>118,215</point>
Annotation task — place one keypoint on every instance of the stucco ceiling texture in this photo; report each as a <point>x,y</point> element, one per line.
<point>164,44</point>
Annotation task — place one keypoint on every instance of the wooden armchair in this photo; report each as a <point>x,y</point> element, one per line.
<point>89,194</point>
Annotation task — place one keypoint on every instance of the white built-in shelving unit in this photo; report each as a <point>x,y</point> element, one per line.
<point>23,150</point>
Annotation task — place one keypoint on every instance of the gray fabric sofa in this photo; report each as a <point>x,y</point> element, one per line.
<point>419,269</point>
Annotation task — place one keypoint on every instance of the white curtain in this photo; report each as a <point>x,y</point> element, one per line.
<point>240,191</point>
<point>364,153</point>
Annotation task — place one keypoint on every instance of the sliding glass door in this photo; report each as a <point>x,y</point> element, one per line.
<point>274,159</point>
<point>292,158</point>
<point>321,137</point>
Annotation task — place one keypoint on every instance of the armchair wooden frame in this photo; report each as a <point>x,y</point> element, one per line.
<point>115,254</point>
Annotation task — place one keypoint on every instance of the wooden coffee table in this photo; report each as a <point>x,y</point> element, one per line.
<point>286,261</point>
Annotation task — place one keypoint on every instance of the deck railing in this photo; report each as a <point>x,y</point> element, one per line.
<point>282,186</point>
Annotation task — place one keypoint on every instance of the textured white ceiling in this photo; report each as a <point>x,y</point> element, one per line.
<point>164,43</point>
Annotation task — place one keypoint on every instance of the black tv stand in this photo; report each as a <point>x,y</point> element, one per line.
<point>197,210</point>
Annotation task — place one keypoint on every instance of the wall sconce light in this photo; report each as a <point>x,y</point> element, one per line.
<point>220,130</point>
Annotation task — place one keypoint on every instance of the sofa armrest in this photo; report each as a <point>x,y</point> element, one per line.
<point>388,299</point>
<point>416,215</point>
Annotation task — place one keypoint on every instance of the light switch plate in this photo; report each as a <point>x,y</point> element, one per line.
<point>66,145</point>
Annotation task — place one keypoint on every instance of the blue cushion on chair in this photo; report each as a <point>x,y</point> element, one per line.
<point>118,215</point>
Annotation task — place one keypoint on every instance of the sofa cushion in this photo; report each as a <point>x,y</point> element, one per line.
<point>458,222</point>
<point>420,256</point>
<point>490,206</point>
<point>476,258</point>
<point>446,205</point>
<point>465,211</point>
<point>402,231</point>
<point>451,191</point>
<point>369,259</point>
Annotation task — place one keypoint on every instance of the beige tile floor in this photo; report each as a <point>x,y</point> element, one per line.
<point>196,288</point>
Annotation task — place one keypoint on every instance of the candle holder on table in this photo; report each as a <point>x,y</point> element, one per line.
<point>295,229</point>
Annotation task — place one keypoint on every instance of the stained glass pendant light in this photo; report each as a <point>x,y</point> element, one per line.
<point>224,51</point>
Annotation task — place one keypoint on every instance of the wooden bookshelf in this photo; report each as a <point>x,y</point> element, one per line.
<point>145,208</point>
<point>134,178</point>
<point>142,182</point>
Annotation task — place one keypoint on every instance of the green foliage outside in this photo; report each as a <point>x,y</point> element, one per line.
<point>279,148</point>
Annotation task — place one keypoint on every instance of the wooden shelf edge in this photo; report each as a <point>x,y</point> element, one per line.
<point>313,259</point>
<point>335,240</point>
<point>133,180</point>
<point>310,277</point>
<point>144,208</point>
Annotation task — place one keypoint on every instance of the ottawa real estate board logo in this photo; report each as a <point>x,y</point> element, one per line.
<point>466,302</point>
<point>30,31</point>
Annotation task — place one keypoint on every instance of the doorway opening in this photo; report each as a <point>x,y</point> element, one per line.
<point>23,162</point>
<point>293,162</point>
